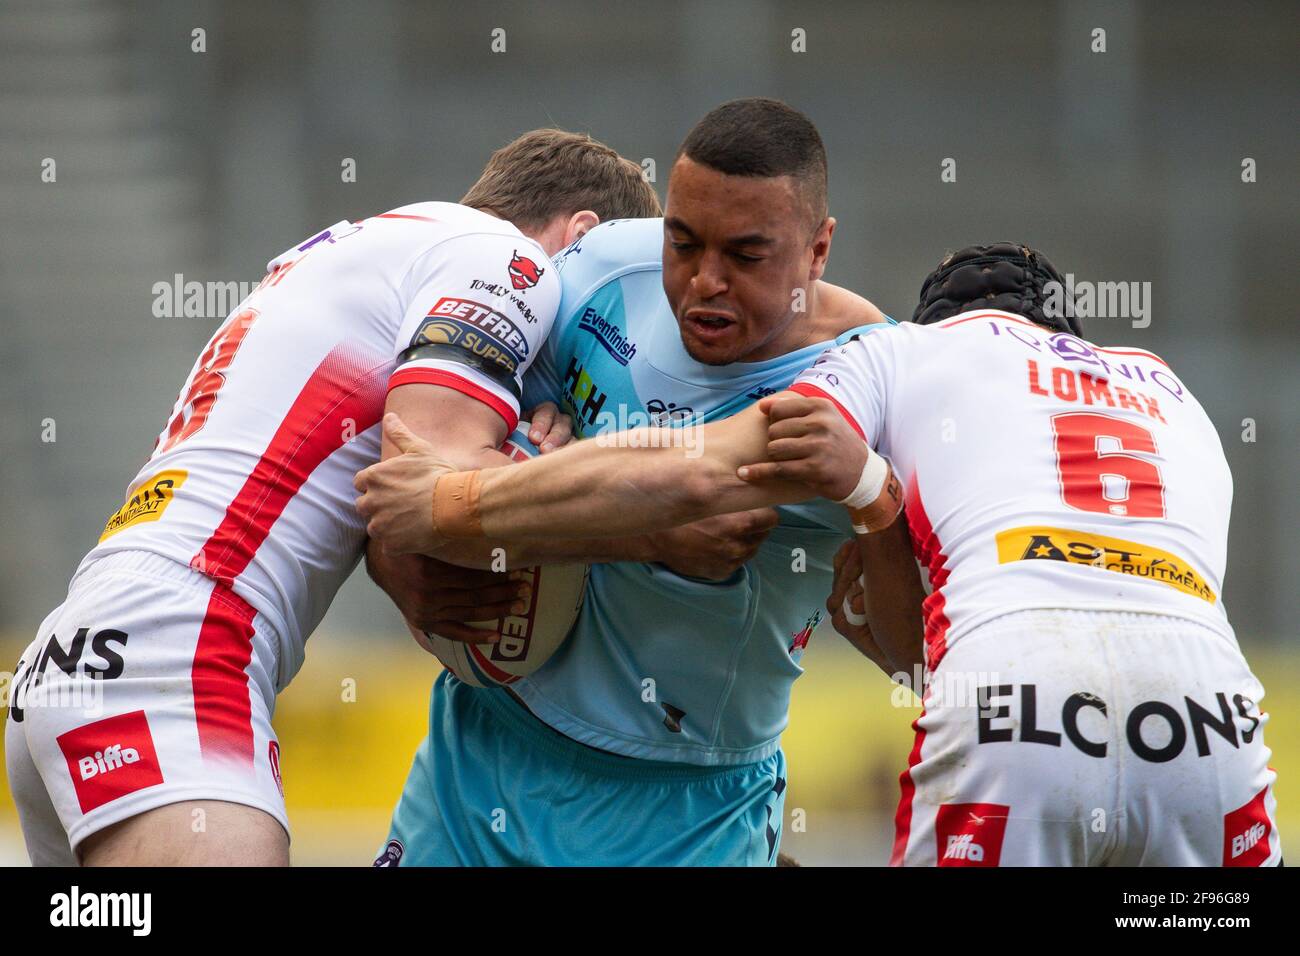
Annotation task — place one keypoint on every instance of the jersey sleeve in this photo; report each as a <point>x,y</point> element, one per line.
<point>610,249</point>
<point>592,261</point>
<point>481,307</point>
<point>856,377</point>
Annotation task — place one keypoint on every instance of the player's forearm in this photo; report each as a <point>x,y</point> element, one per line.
<point>604,491</point>
<point>621,486</point>
<point>528,552</point>
<point>631,484</point>
<point>893,595</point>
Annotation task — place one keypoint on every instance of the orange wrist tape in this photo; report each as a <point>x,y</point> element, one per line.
<point>455,505</point>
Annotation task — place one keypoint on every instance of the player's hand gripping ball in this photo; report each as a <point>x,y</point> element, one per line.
<point>529,639</point>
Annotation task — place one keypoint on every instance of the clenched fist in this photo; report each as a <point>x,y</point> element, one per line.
<point>809,441</point>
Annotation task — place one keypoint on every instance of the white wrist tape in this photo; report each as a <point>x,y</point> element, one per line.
<point>852,616</point>
<point>874,474</point>
<point>877,500</point>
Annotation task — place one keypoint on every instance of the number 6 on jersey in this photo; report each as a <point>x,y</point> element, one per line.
<point>1099,473</point>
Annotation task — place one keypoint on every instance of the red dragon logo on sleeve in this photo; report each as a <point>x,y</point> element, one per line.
<point>524,272</point>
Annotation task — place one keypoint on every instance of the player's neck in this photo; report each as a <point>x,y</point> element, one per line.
<point>830,311</point>
<point>833,310</point>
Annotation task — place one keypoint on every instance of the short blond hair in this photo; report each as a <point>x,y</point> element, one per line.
<point>551,172</point>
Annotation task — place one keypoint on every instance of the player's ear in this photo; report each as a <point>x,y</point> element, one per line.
<point>821,248</point>
<point>580,223</point>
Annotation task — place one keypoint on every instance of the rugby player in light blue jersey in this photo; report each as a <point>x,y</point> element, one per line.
<point>652,736</point>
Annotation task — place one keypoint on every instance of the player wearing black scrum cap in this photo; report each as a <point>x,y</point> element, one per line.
<point>1005,276</point>
<point>1086,702</point>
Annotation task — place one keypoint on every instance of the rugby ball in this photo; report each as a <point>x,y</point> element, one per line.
<point>527,640</point>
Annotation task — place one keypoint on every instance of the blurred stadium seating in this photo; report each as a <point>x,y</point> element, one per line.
<point>1121,166</point>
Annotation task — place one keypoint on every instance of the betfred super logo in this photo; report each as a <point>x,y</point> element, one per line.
<point>475,328</point>
<point>110,759</point>
<point>970,834</point>
<point>1245,833</point>
<point>524,272</point>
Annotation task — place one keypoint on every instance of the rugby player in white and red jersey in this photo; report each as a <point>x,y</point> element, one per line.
<point>147,695</point>
<point>1086,701</point>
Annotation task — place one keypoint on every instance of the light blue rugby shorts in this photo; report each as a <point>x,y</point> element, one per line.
<point>493,786</point>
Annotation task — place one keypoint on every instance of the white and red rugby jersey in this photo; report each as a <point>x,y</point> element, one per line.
<point>250,481</point>
<point>1041,471</point>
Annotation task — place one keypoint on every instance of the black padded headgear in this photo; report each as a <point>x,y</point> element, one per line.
<point>1006,275</point>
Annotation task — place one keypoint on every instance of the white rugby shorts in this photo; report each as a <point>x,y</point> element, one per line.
<point>1087,738</point>
<point>150,685</point>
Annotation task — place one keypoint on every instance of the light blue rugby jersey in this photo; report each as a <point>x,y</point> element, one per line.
<point>660,666</point>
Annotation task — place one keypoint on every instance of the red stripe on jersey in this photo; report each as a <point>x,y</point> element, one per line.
<point>343,398</point>
<point>437,376</point>
<point>903,817</point>
<point>812,391</point>
<point>949,324</point>
<point>402,215</point>
<point>926,546</point>
<point>223,711</point>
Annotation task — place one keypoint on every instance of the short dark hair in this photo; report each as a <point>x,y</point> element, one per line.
<point>1008,276</point>
<point>551,172</point>
<point>762,137</point>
